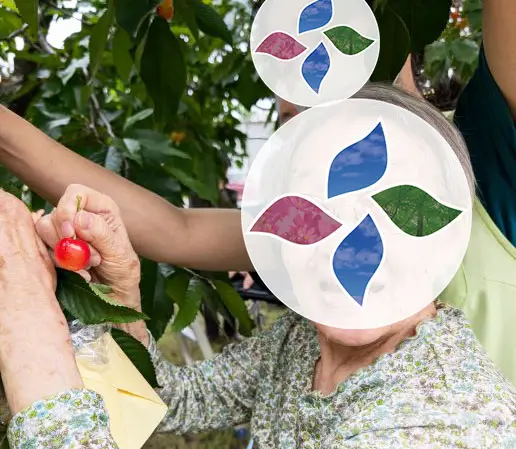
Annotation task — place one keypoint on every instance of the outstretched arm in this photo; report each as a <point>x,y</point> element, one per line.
<point>499,32</point>
<point>196,238</point>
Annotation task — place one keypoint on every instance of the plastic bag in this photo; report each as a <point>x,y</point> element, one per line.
<point>89,343</point>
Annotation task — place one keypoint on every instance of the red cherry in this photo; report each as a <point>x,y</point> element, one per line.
<point>72,254</point>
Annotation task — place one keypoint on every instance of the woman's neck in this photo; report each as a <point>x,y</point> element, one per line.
<point>337,362</point>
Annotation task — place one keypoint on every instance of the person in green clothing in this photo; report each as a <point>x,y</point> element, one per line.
<point>212,239</point>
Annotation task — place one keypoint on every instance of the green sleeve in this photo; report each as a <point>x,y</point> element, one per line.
<point>218,393</point>
<point>485,121</point>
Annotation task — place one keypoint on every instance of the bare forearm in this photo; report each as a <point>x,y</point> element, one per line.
<point>202,239</point>
<point>36,356</point>
<point>499,34</point>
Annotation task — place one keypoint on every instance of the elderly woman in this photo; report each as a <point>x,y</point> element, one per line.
<point>422,382</point>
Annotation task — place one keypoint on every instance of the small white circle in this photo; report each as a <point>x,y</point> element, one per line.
<point>314,52</point>
<point>357,214</point>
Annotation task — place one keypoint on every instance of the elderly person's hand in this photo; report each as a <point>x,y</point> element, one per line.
<point>113,261</point>
<point>36,356</point>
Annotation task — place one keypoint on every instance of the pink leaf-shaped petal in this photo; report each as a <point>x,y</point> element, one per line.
<point>297,220</point>
<point>281,46</point>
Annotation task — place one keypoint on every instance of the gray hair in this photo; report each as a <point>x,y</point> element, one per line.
<point>424,110</point>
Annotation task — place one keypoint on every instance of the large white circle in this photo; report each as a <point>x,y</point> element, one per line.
<point>413,270</point>
<point>347,74</point>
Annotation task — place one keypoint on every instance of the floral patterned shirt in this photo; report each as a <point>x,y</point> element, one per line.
<point>437,390</point>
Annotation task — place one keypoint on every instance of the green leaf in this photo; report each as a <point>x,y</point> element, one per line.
<point>176,286</point>
<point>75,64</point>
<point>89,304</point>
<point>142,115</point>
<point>121,54</point>
<point>347,40</point>
<point>425,21</point>
<point>465,50</point>
<point>137,354</point>
<point>114,160</point>
<point>414,211</point>
<point>101,288</point>
<point>236,306</point>
<point>157,146</point>
<point>9,4</point>
<point>9,23</point>
<point>184,9</point>
<point>189,305</point>
<point>130,14</point>
<point>210,22</point>
<point>28,9</point>
<point>394,46</point>
<point>155,303</point>
<point>99,37</point>
<point>163,71</point>
<point>202,190</point>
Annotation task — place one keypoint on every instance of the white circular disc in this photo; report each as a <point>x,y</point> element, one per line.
<point>314,52</point>
<point>357,214</point>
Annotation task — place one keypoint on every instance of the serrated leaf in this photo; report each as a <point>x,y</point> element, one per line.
<point>163,71</point>
<point>99,36</point>
<point>347,40</point>
<point>88,304</point>
<point>189,306</point>
<point>414,211</point>
<point>155,303</point>
<point>176,286</point>
<point>101,288</point>
<point>210,22</point>
<point>236,306</point>
<point>28,9</point>
<point>137,354</point>
<point>121,54</point>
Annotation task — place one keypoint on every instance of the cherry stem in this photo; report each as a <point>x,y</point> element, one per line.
<point>78,199</point>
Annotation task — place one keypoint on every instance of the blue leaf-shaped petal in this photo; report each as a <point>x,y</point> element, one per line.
<point>360,165</point>
<point>315,15</point>
<point>316,67</point>
<point>357,258</point>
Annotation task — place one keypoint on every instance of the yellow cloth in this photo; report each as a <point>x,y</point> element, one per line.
<point>135,410</point>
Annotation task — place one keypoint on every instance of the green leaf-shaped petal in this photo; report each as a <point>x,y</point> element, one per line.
<point>347,40</point>
<point>89,304</point>
<point>414,211</point>
<point>137,354</point>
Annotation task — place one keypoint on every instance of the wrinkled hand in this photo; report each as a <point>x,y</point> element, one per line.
<point>24,260</point>
<point>113,261</point>
<point>36,357</point>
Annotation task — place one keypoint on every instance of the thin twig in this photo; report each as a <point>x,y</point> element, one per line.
<point>15,33</point>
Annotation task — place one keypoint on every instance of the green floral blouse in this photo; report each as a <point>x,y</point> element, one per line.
<point>437,390</point>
